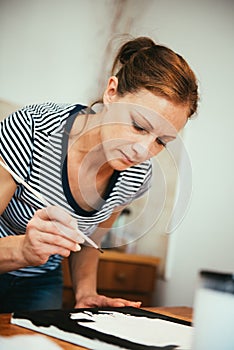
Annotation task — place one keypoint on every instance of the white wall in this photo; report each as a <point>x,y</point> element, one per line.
<point>53,49</point>
<point>203,32</point>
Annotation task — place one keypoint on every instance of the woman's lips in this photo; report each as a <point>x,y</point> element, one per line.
<point>126,159</point>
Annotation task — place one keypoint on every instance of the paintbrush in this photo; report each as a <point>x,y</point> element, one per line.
<point>45,202</point>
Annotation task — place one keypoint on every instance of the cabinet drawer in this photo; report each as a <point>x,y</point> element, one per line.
<point>120,276</point>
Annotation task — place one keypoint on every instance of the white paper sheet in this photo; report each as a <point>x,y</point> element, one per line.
<point>142,330</point>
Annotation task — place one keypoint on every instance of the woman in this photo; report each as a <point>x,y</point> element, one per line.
<point>88,166</point>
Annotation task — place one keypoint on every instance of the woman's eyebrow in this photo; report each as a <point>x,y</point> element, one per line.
<point>168,137</point>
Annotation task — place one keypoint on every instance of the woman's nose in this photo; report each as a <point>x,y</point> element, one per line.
<point>142,149</point>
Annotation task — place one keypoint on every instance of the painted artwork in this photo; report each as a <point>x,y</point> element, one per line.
<point>110,328</point>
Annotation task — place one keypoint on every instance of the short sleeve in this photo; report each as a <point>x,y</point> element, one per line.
<point>16,142</point>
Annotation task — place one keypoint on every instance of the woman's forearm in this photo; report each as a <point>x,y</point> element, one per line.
<point>11,257</point>
<point>84,264</point>
<point>83,267</point>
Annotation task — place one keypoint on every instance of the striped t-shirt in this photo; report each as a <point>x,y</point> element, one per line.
<point>33,143</point>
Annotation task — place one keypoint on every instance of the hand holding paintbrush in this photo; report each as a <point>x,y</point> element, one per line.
<point>62,236</point>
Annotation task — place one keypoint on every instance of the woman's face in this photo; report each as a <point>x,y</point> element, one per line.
<point>136,127</point>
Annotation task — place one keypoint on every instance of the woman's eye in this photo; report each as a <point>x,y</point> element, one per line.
<point>161,142</point>
<point>138,127</point>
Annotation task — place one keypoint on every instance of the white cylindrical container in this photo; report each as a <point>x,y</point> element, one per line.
<point>214,312</point>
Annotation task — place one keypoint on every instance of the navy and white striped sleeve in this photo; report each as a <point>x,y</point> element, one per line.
<point>16,142</point>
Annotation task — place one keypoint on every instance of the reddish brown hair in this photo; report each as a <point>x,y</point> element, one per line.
<point>142,64</point>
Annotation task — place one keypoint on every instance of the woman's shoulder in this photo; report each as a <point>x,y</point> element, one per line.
<point>47,116</point>
<point>48,109</point>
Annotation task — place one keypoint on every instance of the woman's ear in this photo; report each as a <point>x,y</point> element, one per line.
<point>111,90</point>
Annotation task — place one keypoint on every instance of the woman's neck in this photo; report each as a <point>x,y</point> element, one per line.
<point>85,149</point>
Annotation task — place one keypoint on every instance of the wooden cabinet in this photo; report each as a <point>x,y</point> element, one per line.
<point>127,276</point>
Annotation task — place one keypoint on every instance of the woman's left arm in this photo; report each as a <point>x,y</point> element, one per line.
<point>83,267</point>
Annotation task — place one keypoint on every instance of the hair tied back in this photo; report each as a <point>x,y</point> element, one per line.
<point>130,49</point>
<point>134,46</point>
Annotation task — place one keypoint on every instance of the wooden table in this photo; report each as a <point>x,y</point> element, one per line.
<point>8,329</point>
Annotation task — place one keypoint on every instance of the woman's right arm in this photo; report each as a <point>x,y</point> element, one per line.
<point>7,188</point>
<point>9,259</point>
<point>50,231</point>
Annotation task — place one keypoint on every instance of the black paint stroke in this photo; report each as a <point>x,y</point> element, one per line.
<point>61,319</point>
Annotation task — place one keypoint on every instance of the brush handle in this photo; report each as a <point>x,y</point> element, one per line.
<point>26,185</point>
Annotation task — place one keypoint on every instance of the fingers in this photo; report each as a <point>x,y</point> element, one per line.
<point>50,231</point>
<point>58,228</point>
<point>57,241</point>
<point>57,214</point>
<point>55,220</point>
<point>103,301</point>
<point>118,302</point>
